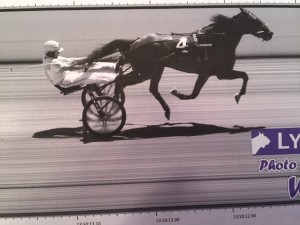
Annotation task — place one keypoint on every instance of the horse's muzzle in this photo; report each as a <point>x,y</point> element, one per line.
<point>266,35</point>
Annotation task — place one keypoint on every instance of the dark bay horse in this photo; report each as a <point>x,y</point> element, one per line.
<point>207,52</point>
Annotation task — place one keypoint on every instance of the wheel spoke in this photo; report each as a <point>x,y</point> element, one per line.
<point>107,118</point>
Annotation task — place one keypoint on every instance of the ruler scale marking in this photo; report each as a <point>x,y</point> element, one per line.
<point>210,216</point>
<point>138,3</point>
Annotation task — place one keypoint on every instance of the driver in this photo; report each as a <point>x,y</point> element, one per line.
<point>60,72</point>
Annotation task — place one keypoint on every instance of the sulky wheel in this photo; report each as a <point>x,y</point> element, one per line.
<point>104,116</point>
<point>107,91</point>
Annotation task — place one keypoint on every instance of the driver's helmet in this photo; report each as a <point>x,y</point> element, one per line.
<point>52,46</point>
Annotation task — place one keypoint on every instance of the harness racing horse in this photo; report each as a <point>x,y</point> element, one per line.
<point>207,52</point>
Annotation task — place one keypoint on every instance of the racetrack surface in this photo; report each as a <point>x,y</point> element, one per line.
<point>201,156</point>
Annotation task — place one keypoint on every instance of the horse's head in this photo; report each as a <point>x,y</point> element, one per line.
<point>248,23</point>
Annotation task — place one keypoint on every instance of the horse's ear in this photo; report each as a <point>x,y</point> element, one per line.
<point>241,8</point>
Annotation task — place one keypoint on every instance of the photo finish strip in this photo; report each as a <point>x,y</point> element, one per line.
<point>149,107</point>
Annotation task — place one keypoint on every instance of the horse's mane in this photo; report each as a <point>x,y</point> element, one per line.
<point>221,24</point>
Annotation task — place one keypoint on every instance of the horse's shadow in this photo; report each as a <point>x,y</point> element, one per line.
<point>151,131</point>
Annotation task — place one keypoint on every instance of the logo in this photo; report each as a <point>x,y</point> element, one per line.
<point>259,142</point>
<point>276,141</point>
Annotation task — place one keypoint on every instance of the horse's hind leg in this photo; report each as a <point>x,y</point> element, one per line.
<point>235,75</point>
<point>155,79</point>
<point>201,80</point>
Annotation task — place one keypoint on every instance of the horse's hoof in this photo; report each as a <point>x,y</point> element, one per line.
<point>173,91</point>
<point>168,115</point>
<point>237,97</point>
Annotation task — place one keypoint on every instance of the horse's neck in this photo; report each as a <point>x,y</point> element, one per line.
<point>230,41</point>
<point>236,40</point>
<point>233,40</point>
<point>233,37</point>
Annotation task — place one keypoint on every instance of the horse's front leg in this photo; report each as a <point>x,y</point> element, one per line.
<point>155,79</point>
<point>235,75</point>
<point>201,80</point>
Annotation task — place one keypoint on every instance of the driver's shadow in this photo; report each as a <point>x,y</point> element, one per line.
<point>60,133</point>
<point>151,131</point>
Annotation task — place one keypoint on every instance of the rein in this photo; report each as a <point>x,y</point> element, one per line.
<point>174,34</point>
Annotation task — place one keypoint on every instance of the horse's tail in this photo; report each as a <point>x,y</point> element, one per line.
<point>121,45</point>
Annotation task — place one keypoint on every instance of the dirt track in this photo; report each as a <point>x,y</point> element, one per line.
<point>201,156</point>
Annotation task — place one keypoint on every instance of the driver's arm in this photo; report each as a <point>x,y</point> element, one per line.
<point>62,64</point>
